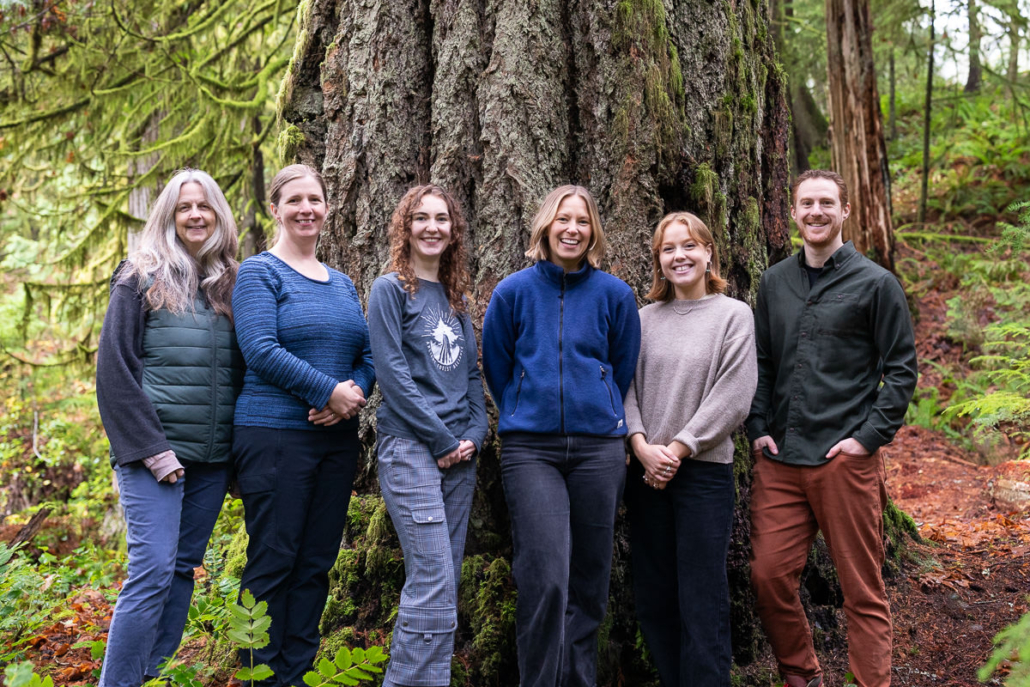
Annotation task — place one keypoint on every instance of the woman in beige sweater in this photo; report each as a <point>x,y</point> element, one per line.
<point>694,382</point>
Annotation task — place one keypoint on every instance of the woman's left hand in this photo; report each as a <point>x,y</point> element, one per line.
<point>328,417</point>
<point>466,449</point>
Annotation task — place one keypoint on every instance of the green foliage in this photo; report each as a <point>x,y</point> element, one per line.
<point>1016,236</point>
<point>1005,374</point>
<point>248,628</point>
<point>105,101</point>
<point>348,667</point>
<point>979,158</point>
<point>23,675</point>
<point>1012,643</point>
<point>31,590</point>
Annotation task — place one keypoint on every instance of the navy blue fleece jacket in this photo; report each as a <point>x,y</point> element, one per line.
<point>560,350</point>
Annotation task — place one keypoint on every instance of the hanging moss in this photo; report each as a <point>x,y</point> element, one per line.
<point>289,140</point>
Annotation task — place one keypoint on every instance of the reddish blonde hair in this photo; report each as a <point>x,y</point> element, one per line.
<point>661,289</point>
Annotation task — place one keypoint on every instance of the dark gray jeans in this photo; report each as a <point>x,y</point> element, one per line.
<point>562,493</point>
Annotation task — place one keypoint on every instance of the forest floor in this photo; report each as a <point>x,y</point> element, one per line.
<point>956,590</point>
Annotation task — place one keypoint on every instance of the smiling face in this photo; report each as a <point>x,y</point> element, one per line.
<point>430,231</point>
<point>569,235</point>
<point>684,261</point>
<point>819,214</point>
<point>301,210</point>
<point>194,217</point>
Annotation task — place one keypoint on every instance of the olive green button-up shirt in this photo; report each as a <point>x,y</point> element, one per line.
<point>823,352</point>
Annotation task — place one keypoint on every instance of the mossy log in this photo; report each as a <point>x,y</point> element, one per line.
<point>654,106</point>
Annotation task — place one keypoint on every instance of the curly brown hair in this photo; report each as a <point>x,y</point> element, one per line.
<point>454,273</point>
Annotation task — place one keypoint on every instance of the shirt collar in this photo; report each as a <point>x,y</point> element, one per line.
<point>552,273</point>
<point>839,258</point>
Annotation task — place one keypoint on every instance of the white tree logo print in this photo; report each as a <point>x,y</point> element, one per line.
<point>443,338</point>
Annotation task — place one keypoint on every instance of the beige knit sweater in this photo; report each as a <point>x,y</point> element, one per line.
<point>696,375</point>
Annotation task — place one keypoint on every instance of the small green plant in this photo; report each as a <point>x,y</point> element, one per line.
<point>1006,377</point>
<point>1011,644</point>
<point>24,675</point>
<point>348,667</point>
<point>248,628</point>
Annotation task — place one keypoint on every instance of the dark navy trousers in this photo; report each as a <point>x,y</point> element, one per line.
<point>296,488</point>
<point>562,493</point>
<point>679,541</point>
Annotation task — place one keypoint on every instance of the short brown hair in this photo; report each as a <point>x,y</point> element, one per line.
<point>285,176</point>
<point>540,249</point>
<point>842,187</point>
<point>661,289</point>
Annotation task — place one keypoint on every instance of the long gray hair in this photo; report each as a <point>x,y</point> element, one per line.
<point>164,267</point>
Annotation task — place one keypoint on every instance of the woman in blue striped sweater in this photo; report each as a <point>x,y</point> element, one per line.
<point>309,371</point>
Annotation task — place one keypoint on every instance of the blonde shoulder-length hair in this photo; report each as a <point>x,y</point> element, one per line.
<point>164,268</point>
<point>661,289</point>
<point>540,247</point>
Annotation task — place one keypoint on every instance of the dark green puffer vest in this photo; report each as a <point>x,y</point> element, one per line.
<point>192,373</point>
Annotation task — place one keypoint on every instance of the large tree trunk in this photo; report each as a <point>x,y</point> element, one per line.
<point>857,146</point>
<point>655,107</point>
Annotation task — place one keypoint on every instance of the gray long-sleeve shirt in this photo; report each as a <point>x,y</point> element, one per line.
<point>426,364</point>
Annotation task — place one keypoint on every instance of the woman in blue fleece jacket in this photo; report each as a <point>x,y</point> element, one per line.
<point>560,345</point>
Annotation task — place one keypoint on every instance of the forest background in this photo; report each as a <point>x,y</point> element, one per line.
<point>922,105</point>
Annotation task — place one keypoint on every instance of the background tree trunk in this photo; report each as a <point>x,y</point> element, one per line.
<point>975,75</point>
<point>857,146</point>
<point>924,191</point>
<point>655,107</point>
<point>1015,23</point>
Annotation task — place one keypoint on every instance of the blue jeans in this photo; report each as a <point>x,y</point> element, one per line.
<point>430,510</point>
<point>168,527</point>
<point>680,538</point>
<point>296,487</point>
<point>562,493</point>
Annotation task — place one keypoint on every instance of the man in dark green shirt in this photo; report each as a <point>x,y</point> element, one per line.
<point>836,371</point>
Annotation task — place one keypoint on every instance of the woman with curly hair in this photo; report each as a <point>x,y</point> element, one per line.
<point>168,374</point>
<point>430,426</point>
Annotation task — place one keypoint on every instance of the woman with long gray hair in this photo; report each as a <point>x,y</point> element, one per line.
<point>168,373</point>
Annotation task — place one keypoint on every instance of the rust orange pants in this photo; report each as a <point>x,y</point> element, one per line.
<point>845,499</point>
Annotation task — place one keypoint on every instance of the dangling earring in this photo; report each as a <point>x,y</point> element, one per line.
<point>708,270</point>
<point>662,277</point>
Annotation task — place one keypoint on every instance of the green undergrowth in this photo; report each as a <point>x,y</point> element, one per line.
<point>980,153</point>
<point>980,399</point>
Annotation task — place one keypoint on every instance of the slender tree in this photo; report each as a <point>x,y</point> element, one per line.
<point>975,75</point>
<point>1014,27</point>
<point>857,144</point>
<point>892,118</point>
<point>927,113</point>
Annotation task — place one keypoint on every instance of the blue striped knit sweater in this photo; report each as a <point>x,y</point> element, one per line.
<point>300,338</point>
